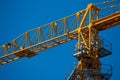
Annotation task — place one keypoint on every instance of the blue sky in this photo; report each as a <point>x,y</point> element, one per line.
<point>18,16</point>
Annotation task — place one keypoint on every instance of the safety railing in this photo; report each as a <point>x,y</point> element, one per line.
<point>104,72</point>
<point>102,43</point>
<point>70,70</point>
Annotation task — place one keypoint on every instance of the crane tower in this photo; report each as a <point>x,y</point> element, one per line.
<point>84,26</point>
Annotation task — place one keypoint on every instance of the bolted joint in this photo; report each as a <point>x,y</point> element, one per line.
<point>90,25</point>
<point>79,30</point>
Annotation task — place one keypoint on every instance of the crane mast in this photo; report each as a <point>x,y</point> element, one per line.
<point>84,26</point>
<point>90,47</point>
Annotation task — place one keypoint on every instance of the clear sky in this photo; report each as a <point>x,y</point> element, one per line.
<point>18,16</point>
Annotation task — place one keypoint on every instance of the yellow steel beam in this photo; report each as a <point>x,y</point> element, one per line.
<point>107,22</point>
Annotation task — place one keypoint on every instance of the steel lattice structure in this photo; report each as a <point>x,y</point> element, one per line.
<point>83,25</point>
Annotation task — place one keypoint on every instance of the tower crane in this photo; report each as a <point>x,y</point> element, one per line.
<point>84,26</point>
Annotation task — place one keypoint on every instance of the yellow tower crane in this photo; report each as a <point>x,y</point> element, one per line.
<point>83,26</point>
